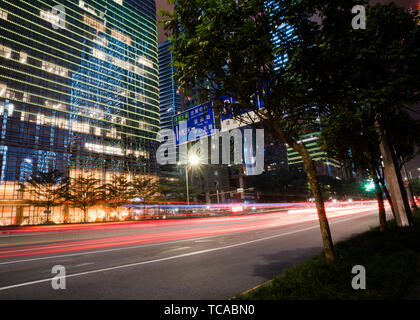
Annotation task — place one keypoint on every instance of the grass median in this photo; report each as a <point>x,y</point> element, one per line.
<point>391,260</point>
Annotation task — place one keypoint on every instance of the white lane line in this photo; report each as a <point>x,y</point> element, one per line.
<point>106,250</point>
<point>170,258</point>
<point>83,264</point>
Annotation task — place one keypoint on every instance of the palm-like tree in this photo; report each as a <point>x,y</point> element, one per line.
<point>47,189</point>
<point>118,191</point>
<point>83,193</point>
<point>145,188</point>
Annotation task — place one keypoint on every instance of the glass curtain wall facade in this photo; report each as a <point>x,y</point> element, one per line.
<point>169,100</point>
<point>78,93</point>
<point>284,33</point>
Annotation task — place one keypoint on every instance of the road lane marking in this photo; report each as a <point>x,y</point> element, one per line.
<point>83,264</point>
<point>106,250</point>
<point>194,253</point>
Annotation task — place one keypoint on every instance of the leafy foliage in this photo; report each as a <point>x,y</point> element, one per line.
<point>47,189</point>
<point>145,188</point>
<point>175,190</point>
<point>84,193</point>
<point>118,191</point>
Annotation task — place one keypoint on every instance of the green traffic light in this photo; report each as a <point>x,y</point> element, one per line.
<point>369,186</point>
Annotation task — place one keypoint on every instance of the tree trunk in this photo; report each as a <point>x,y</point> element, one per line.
<point>388,196</point>
<point>315,187</point>
<point>48,214</point>
<point>393,176</point>
<point>319,201</point>
<point>378,192</point>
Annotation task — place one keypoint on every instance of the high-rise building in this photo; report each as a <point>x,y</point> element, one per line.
<point>325,165</point>
<point>284,32</point>
<point>78,91</point>
<point>169,99</point>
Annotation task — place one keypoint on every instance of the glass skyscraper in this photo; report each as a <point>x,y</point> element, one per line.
<point>78,92</point>
<point>170,101</point>
<point>284,32</point>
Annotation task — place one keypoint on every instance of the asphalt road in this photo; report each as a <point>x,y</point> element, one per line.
<point>209,258</point>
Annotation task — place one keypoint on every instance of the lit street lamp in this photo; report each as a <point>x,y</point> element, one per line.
<point>193,161</point>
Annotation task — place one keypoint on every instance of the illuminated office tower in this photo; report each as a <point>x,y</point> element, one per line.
<point>284,33</point>
<point>169,99</point>
<point>78,91</point>
<point>325,166</point>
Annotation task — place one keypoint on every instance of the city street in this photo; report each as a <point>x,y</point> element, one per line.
<point>204,258</point>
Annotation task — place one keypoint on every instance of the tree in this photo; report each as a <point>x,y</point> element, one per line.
<point>348,135</point>
<point>175,190</point>
<point>118,191</point>
<point>47,189</point>
<point>287,184</point>
<point>84,193</point>
<point>415,185</point>
<point>145,188</point>
<point>373,70</point>
<point>225,49</point>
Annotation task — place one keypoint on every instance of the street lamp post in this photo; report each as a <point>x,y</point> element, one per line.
<point>186,180</point>
<point>193,161</point>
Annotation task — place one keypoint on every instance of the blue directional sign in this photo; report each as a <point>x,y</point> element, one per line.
<point>229,100</point>
<point>228,121</point>
<point>188,124</point>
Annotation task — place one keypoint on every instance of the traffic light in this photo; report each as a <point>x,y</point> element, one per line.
<point>369,186</point>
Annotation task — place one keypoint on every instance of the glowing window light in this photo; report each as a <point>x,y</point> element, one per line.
<point>3,89</point>
<point>3,15</point>
<point>50,17</point>
<point>5,51</point>
<point>9,107</point>
<point>144,61</point>
<point>99,148</point>
<point>53,68</point>
<point>94,23</point>
<point>117,34</point>
<point>23,57</point>
<point>84,6</point>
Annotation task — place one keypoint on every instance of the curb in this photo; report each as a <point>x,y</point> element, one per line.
<point>266,283</point>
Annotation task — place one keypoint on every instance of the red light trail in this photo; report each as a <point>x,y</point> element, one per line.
<point>156,231</point>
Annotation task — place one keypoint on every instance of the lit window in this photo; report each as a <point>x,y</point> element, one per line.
<point>54,105</point>
<point>116,61</point>
<point>9,107</point>
<point>3,89</point>
<point>84,6</point>
<point>120,2</point>
<point>102,41</point>
<point>50,17</point>
<point>3,15</point>
<point>99,54</point>
<point>121,36</point>
<point>53,68</point>
<point>94,23</point>
<point>26,97</point>
<point>144,61</point>
<point>23,57</point>
<point>5,52</point>
<point>140,97</point>
<point>6,93</point>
